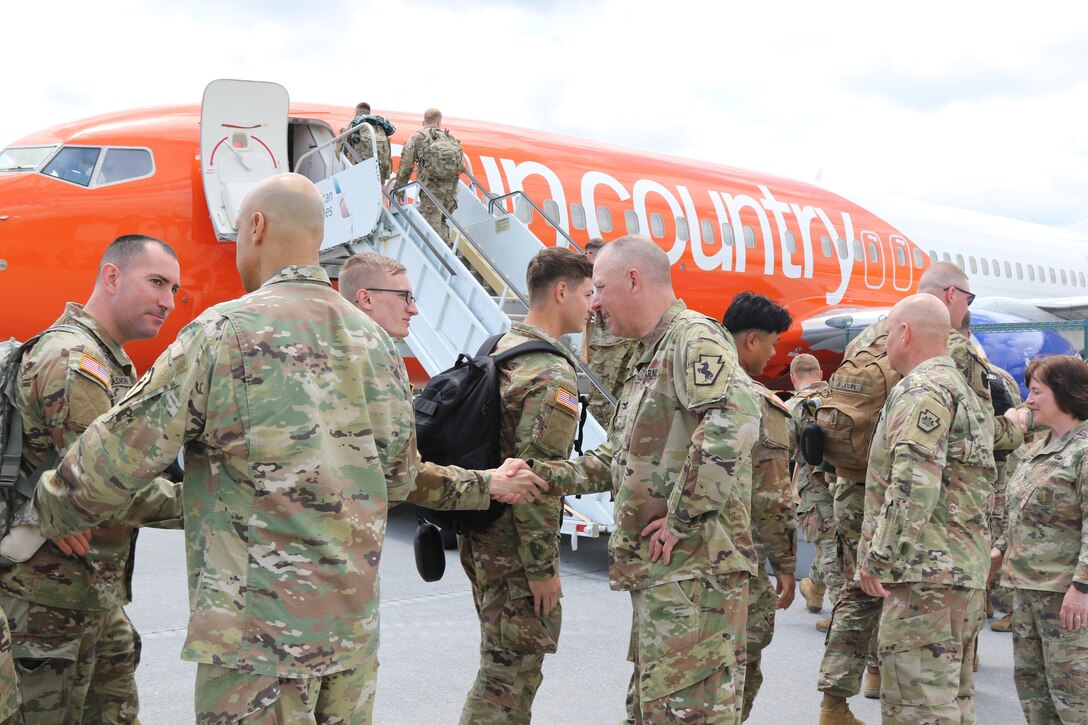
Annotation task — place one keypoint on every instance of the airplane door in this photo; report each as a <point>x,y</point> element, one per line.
<point>874,260</point>
<point>243,140</point>
<point>902,269</point>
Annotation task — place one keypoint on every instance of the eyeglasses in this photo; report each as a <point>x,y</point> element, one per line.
<point>970,295</point>
<point>407,295</point>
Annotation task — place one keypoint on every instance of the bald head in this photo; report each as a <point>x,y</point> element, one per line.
<point>432,117</point>
<point>281,223</point>
<point>918,329</point>
<point>632,285</point>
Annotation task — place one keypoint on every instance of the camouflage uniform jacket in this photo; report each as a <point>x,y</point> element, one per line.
<point>805,474</point>
<point>295,418</point>
<point>1007,464</point>
<point>361,150</point>
<point>539,394</point>
<point>930,478</point>
<point>681,448</point>
<point>774,513</point>
<point>65,381</point>
<point>1046,543</point>
<point>975,369</point>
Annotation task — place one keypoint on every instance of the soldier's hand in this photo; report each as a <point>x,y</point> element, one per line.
<point>74,545</point>
<point>995,563</point>
<point>546,594</point>
<point>661,541</point>
<point>514,482</point>
<point>1074,612</point>
<point>871,585</point>
<point>1022,416</point>
<point>399,197</point>
<point>784,586</point>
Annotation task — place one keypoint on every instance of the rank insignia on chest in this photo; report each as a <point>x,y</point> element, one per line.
<point>1046,496</point>
<point>706,369</point>
<point>928,420</point>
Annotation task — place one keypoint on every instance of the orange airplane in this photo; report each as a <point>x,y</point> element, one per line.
<point>66,191</point>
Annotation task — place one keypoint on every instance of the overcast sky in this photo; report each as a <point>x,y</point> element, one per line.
<point>980,105</point>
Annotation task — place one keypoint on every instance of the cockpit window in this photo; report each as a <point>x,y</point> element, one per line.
<point>24,158</point>
<point>73,163</point>
<point>124,164</point>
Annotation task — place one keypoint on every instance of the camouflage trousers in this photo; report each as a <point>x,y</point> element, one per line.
<point>816,519</point>
<point>230,696</point>
<point>74,666</point>
<point>927,647</point>
<point>1001,595</point>
<point>447,197</point>
<point>760,631</point>
<point>688,648</point>
<point>1050,664</point>
<point>513,640</point>
<point>851,638</point>
<point>9,681</point>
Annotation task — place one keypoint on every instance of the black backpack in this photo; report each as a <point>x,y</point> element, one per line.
<point>458,416</point>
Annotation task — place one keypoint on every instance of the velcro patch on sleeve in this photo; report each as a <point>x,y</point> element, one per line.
<point>566,399</point>
<point>96,370</point>
<point>928,420</point>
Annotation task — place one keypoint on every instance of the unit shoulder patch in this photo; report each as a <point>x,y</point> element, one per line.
<point>94,369</point>
<point>706,369</point>
<point>566,400</point>
<point>928,420</point>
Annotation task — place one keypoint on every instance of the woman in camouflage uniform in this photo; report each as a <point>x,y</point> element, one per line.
<point>1046,548</point>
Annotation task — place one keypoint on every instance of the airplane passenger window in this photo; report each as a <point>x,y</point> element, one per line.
<point>918,260</point>
<point>74,164</point>
<point>1053,277</point>
<point>682,228</point>
<point>749,237</point>
<point>947,256</point>
<point>1008,270</point>
<point>631,219</point>
<point>959,262</point>
<point>577,216</point>
<point>791,243</point>
<point>997,268</point>
<point>124,165</point>
<point>551,211</point>
<point>1031,273</point>
<point>24,158</point>
<point>900,257</point>
<point>727,235</point>
<point>825,244</point>
<point>1064,281</point>
<point>708,231</point>
<point>657,226</point>
<point>858,253</point>
<point>1019,271</point>
<point>604,219</point>
<point>1042,273</point>
<point>523,211</point>
<point>933,258</point>
<point>985,266</point>
<point>974,265</point>
<point>874,253</point>
<point>842,249</point>
<point>1081,275</point>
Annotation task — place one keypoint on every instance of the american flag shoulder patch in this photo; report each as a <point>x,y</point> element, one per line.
<point>566,399</point>
<point>96,370</point>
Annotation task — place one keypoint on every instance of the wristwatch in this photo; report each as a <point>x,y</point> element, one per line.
<point>1081,587</point>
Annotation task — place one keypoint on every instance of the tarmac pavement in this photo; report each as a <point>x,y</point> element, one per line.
<point>430,641</point>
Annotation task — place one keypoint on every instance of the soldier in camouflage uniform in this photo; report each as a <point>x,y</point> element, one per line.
<point>513,564</point>
<point>294,414</point>
<point>756,324</point>
<point>856,614</point>
<point>816,510</point>
<point>442,186</point>
<point>925,541</point>
<point>73,645</point>
<point>1045,548</point>
<point>9,678</point>
<point>608,356</point>
<point>379,286</point>
<point>678,461</point>
<point>359,143</point>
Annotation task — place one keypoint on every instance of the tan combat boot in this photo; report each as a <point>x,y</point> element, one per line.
<point>813,594</point>
<point>823,624</point>
<point>836,711</point>
<point>871,686</point>
<point>1002,625</point>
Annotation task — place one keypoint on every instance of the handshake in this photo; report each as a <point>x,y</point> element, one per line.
<point>514,482</point>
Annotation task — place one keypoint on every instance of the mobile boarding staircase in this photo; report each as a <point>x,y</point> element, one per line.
<point>466,292</point>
